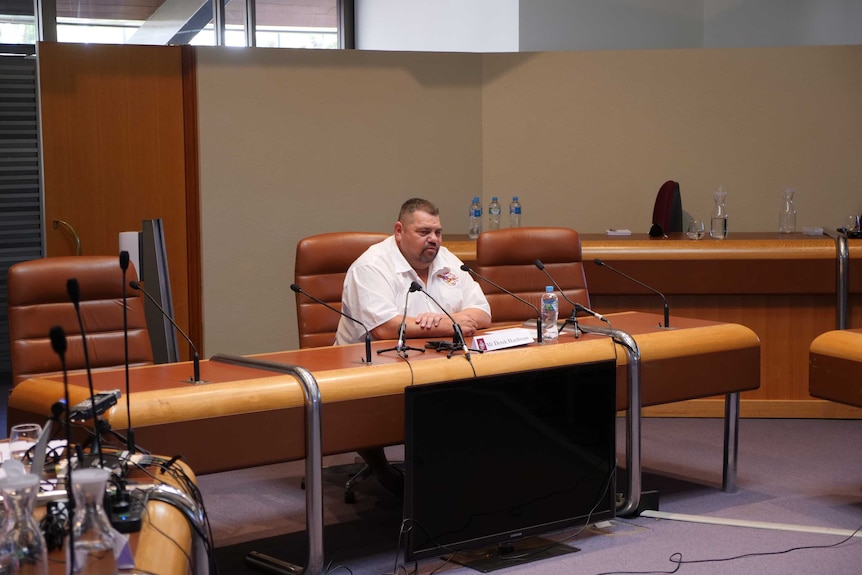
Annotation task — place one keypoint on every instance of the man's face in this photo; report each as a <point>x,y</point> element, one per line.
<point>419,238</point>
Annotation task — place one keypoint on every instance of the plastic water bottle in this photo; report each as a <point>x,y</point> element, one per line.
<point>475,226</point>
<point>494,211</point>
<point>515,213</point>
<point>550,313</point>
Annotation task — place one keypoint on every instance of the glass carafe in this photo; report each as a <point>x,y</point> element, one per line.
<point>787,215</point>
<point>718,222</point>
<point>22,541</point>
<point>91,530</point>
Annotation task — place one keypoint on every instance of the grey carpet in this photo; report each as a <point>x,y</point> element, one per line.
<point>800,472</point>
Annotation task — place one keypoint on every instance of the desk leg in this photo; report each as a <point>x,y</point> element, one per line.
<point>633,436</point>
<point>731,442</point>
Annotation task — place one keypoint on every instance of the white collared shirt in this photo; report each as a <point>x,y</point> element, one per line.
<point>377,284</point>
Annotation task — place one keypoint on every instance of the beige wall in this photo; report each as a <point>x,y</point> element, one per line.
<point>299,142</point>
<point>295,143</point>
<point>587,138</point>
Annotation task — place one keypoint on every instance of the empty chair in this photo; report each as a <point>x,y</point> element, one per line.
<point>507,257</point>
<point>667,211</point>
<point>38,300</point>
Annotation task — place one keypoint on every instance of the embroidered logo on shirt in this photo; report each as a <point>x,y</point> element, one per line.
<point>448,277</point>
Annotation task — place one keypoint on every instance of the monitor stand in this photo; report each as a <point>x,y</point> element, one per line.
<point>510,554</point>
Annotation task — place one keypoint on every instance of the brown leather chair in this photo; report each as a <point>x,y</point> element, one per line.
<point>320,267</point>
<point>507,257</point>
<point>38,300</point>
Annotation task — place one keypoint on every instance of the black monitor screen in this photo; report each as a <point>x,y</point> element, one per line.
<point>496,458</point>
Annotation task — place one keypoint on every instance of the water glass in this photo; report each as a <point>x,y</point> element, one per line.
<point>22,438</point>
<point>696,230</point>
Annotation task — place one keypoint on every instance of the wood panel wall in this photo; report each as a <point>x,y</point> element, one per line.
<point>113,133</point>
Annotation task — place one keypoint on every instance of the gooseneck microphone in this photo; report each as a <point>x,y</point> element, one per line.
<point>459,335</point>
<point>130,433</point>
<point>297,289</point>
<point>402,328</point>
<point>599,262</point>
<point>401,346</point>
<point>196,360</point>
<point>74,290</point>
<point>59,345</point>
<point>466,268</point>
<point>576,307</point>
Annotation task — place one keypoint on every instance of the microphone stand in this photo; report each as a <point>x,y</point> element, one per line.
<point>466,268</point>
<point>130,433</point>
<point>196,360</point>
<point>458,341</point>
<point>59,345</point>
<point>74,290</point>
<point>296,289</point>
<point>601,263</point>
<point>576,307</point>
<point>401,347</point>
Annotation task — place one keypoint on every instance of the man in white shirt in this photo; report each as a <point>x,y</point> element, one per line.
<point>377,283</point>
<point>376,290</point>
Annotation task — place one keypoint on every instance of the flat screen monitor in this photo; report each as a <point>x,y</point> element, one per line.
<point>496,458</point>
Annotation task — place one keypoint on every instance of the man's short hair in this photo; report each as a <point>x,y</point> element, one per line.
<point>417,205</point>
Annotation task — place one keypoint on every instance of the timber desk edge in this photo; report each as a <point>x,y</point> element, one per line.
<point>737,246</point>
<point>362,405</point>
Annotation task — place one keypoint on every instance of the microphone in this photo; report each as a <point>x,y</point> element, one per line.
<point>130,433</point>
<point>196,358</point>
<point>402,328</point>
<point>401,346</point>
<point>459,335</point>
<point>298,289</point>
<point>59,345</point>
<point>74,290</point>
<point>599,262</point>
<point>576,306</point>
<point>466,268</point>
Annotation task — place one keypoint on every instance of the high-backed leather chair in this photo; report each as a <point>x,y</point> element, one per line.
<point>38,300</point>
<point>320,267</point>
<point>507,257</point>
<point>667,211</point>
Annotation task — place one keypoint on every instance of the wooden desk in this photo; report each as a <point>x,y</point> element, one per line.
<point>836,367</point>
<point>362,405</point>
<point>781,286</point>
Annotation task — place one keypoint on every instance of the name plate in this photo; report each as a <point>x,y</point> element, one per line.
<point>504,338</point>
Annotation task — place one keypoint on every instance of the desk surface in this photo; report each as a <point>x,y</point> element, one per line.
<point>363,404</point>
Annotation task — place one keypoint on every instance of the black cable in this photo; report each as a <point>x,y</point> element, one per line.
<point>679,561</point>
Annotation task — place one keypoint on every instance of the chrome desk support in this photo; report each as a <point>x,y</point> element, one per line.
<point>633,415</point>
<point>731,442</point>
<point>842,276</point>
<point>313,465</point>
<point>843,280</point>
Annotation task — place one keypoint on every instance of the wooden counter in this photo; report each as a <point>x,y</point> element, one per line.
<point>782,286</point>
<point>362,405</point>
